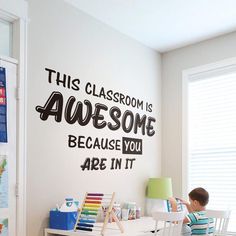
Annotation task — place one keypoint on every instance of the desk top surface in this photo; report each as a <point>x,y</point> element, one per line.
<point>131,227</point>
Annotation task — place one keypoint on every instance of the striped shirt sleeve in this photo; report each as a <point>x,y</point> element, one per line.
<point>192,217</point>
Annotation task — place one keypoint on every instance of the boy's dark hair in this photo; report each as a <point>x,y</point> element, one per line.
<point>199,194</point>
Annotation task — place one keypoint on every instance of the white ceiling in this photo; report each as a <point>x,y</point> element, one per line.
<point>164,24</point>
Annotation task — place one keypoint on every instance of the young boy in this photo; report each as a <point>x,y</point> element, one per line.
<point>196,218</point>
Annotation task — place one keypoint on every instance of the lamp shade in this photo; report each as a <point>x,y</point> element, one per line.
<point>160,188</point>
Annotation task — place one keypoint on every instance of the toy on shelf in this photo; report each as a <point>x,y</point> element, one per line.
<point>87,216</point>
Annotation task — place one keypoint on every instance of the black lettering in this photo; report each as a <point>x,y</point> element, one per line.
<point>132,161</point>
<point>115,114</point>
<point>109,93</point>
<point>117,144</point>
<point>126,164</point>
<point>127,100</point>
<point>133,102</point>
<point>102,93</point>
<point>111,144</point>
<point>122,98</point>
<point>97,116</point>
<point>75,84</point>
<point>89,145</point>
<point>118,163</point>
<point>68,82</point>
<point>129,163</point>
<point>96,144</point>
<point>63,81</point>
<point>112,163</point>
<point>150,107</point>
<point>71,141</point>
<point>88,86</point>
<point>94,90</point>
<point>124,121</point>
<point>131,146</point>
<point>94,163</point>
<point>81,142</point>
<point>102,164</point>
<point>84,121</point>
<point>55,99</point>
<point>50,74</point>
<point>115,97</point>
<point>149,127</point>
<point>140,122</point>
<point>71,119</point>
<point>140,104</point>
<point>86,164</point>
<point>104,143</point>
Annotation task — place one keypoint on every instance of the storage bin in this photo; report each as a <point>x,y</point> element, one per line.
<point>62,220</point>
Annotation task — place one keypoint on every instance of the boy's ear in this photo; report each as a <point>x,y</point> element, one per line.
<point>196,202</point>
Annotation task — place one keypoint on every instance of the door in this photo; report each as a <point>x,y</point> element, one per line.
<point>8,148</point>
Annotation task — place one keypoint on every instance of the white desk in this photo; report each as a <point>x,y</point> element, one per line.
<point>140,227</point>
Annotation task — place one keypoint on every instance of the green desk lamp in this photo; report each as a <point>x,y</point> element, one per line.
<point>159,188</point>
<point>158,191</point>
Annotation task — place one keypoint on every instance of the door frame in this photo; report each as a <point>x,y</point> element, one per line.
<point>15,11</point>
<point>9,149</point>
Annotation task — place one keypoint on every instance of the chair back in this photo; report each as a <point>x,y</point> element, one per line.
<point>221,221</point>
<point>170,223</point>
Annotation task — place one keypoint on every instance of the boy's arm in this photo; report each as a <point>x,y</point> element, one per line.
<point>173,204</point>
<point>174,207</point>
<point>186,220</point>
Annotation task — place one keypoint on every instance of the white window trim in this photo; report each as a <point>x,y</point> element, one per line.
<point>16,12</point>
<point>188,74</point>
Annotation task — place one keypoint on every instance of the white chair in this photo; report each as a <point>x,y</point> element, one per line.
<point>170,223</point>
<point>221,221</point>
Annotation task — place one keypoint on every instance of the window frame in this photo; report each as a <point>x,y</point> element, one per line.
<point>199,72</point>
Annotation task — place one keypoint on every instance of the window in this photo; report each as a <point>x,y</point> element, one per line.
<point>6,38</point>
<point>211,134</point>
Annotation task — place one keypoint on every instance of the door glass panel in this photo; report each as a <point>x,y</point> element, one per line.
<point>8,153</point>
<point>5,38</point>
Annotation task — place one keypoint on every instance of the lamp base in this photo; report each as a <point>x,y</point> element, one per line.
<point>155,205</point>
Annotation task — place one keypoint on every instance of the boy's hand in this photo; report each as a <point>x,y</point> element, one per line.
<point>184,201</point>
<point>187,204</point>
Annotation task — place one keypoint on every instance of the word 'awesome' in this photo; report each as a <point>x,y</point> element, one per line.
<point>83,113</point>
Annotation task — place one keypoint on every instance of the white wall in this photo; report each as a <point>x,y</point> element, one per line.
<point>14,8</point>
<point>69,41</point>
<point>174,62</point>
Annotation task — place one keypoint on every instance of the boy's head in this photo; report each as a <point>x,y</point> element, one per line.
<point>199,198</point>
